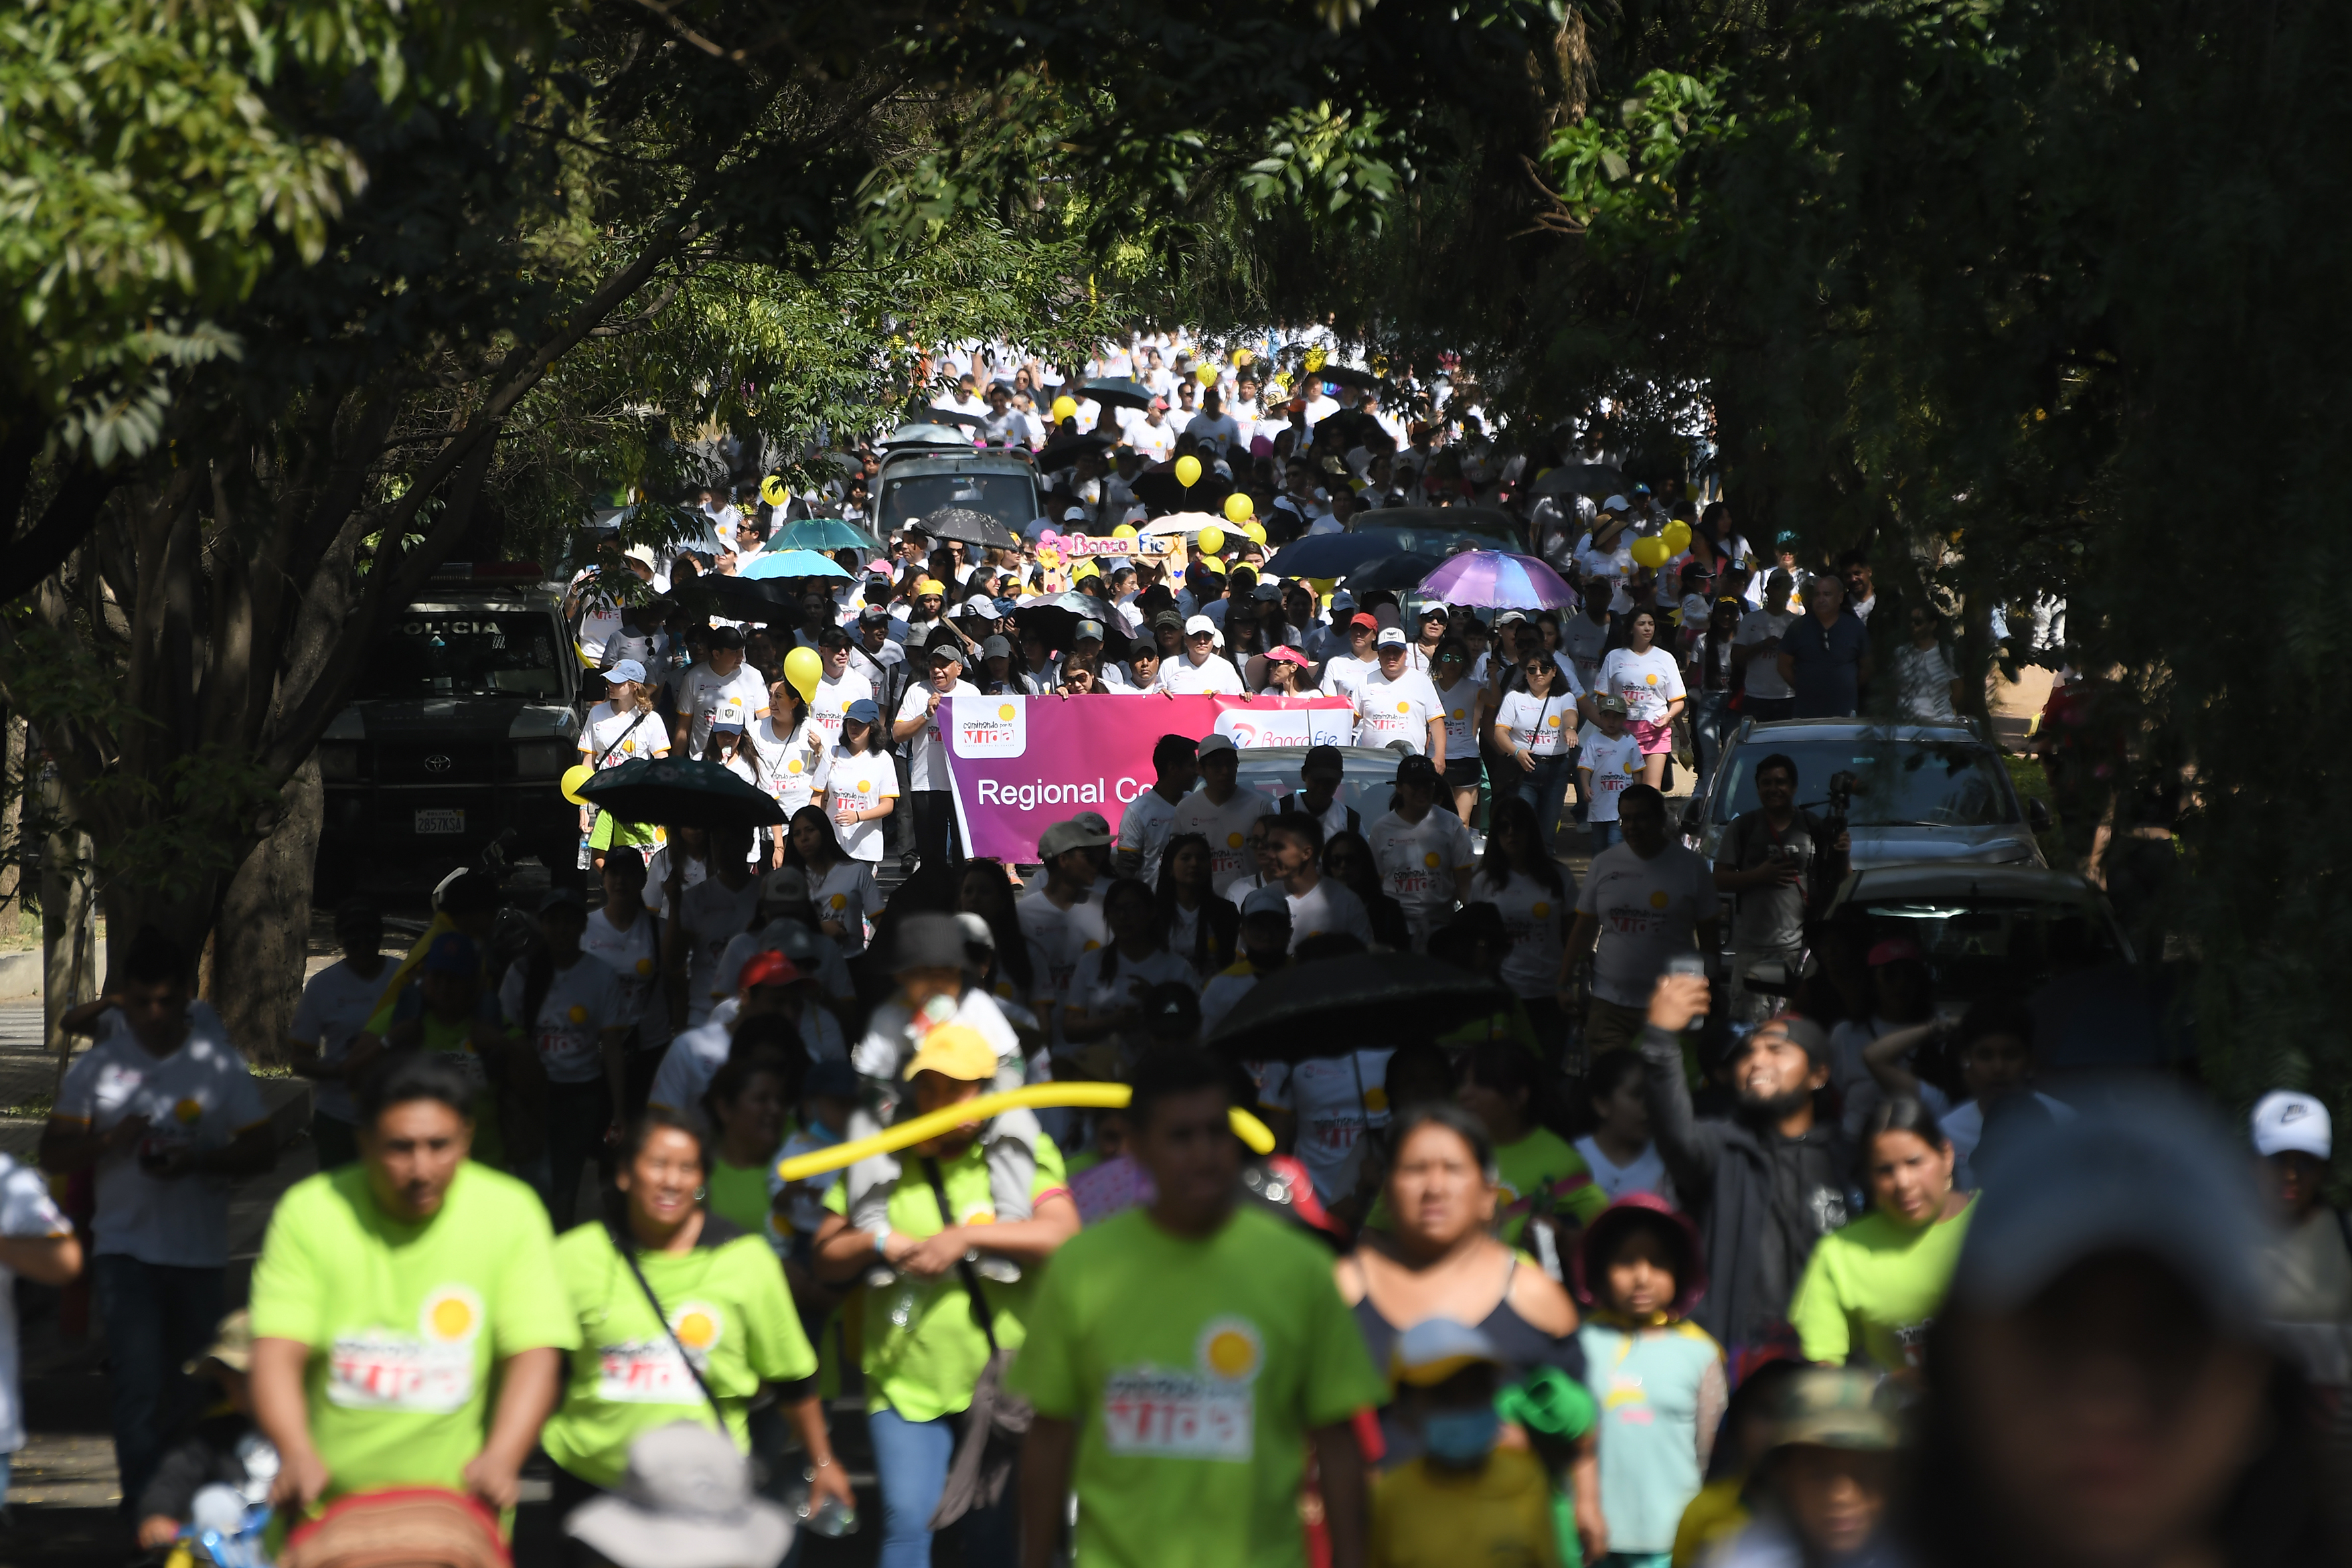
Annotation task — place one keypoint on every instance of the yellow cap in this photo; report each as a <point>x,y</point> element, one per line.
<point>958,1051</point>
<point>1214,564</point>
<point>929,586</point>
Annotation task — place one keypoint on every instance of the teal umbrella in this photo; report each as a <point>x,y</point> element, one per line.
<point>825,534</point>
<point>790,563</point>
<point>681,793</point>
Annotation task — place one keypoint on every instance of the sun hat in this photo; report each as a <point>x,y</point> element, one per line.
<point>955,1050</point>
<point>1288,655</point>
<point>1590,1261</point>
<point>684,1502</point>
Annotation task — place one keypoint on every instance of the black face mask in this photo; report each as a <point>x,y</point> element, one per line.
<point>1772,1112</point>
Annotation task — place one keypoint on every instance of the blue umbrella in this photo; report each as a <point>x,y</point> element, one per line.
<point>791,563</point>
<point>1328,554</point>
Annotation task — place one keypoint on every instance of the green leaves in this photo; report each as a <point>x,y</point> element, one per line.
<point>1324,159</point>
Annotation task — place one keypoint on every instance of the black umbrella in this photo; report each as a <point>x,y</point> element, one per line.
<point>1399,574</point>
<point>1063,450</point>
<point>973,528</point>
<point>1328,1005</point>
<point>938,415</point>
<point>1054,621</point>
<point>1162,492</point>
<point>681,793</point>
<point>1327,554</point>
<point>1117,391</point>
<point>763,602</point>
<point>1346,375</point>
<point>1354,427</point>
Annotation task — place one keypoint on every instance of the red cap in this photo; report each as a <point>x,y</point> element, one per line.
<point>1367,622</point>
<point>768,969</point>
<point>1896,949</point>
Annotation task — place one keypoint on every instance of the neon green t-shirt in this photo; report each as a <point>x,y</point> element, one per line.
<point>740,1193</point>
<point>1540,1174</point>
<point>1194,1370</point>
<point>406,1323</point>
<point>1873,1287</point>
<point>924,1353</point>
<point>727,1301</point>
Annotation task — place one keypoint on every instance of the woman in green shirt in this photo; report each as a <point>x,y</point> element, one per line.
<point>1872,1289</point>
<point>747,1101</point>
<point>723,1325</point>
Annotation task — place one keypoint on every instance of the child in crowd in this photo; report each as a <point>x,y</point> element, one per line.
<point>1464,1500</point>
<point>828,1098</point>
<point>1822,1494</point>
<point>1659,1378</point>
<point>1619,1149</point>
<point>1608,758</point>
<point>225,1447</point>
<point>1745,1439</point>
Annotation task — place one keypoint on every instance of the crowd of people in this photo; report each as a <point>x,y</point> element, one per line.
<point>1633,1262</point>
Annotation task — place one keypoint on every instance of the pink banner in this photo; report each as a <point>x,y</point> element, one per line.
<point>1022,764</point>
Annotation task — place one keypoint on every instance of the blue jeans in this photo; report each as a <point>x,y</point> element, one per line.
<point>1545,789</point>
<point>1604,834</point>
<point>1709,723</point>
<point>910,1460</point>
<point>157,1317</point>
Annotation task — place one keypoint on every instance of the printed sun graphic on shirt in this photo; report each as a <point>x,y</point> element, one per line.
<point>644,966</point>
<point>188,1112</point>
<point>1658,900</point>
<point>1651,679</point>
<point>1230,1349</point>
<point>1541,910</point>
<point>1429,859</point>
<point>840,900</point>
<point>451,1315</point>
<point>699,1327</point>
<point>1233,840</point>
<point>1404,707</point>
<point>577,1013</point>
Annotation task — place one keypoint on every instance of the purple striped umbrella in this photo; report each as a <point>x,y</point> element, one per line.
<point>1498,580</point>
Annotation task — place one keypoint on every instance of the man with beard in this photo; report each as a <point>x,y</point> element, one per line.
<point>1766,1184</point>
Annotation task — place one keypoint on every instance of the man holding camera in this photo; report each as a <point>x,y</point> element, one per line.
<point>1766,865</point>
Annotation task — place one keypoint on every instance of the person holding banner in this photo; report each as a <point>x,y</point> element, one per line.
<point>1397,703</point>
<point>1222,812</point>
<point>1143,831</point>
<point>1202,671</point>
<point>935,841</point>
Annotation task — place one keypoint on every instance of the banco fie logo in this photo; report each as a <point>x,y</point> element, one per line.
<point>991,726</point>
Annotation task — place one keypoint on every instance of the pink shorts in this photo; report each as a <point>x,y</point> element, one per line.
<point>1656,738</point>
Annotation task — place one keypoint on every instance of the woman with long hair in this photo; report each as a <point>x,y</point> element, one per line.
<point>1107,986</point>
<point>1520,879</point>
<point>1281,672</point>
<point>1535,731</point>
<point>1349,857</point>
<point>861,786</point>
<point>1463,702</point>
<point>1650,679</point>
<point>1202,926</point>
<point>842,889</point>
<point>984,888</point>
<point>620,728</point>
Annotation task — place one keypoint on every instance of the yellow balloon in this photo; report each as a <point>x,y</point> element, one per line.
<point>573,777</point>
<point>1677,536</point>
<point>916,1130</point>
<point>802,667</point>
<point>1124,531</point>
<point>1065,408</point>
<point>1243,357</point>
<point>1255,530</point>
<point>1188,470</point>
<point>1213,539</point>
<point>1322,585</point>
<point>1207,375</point>
<point>1651,551</point>
<point>1238,508</point>
<point>772,491</point>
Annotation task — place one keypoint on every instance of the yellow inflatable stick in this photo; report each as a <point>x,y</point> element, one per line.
<point>1093,1096</point>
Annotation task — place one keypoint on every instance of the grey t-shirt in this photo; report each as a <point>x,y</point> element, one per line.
<point>1770,917</point>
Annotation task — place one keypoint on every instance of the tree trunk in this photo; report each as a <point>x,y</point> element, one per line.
<point>12,817</point>
<point>262,937</point>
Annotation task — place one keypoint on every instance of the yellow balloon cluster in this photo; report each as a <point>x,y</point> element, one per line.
<point>1316,359</point>
<point>1255,530</point>
<point>1243,357</point>
<point>1188,470</point>
<point>803,667</point>
<point>1651,551</point>
<point>1065,408</point>
<point>1677,536</point>
<point>1213,540</point>
<point>1238,508</point>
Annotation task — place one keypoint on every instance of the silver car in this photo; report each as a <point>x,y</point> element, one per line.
<point>1919,792</point>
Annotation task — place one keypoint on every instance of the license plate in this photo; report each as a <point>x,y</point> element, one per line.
<point>450,821</point>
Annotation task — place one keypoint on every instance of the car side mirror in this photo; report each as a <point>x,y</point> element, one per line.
<point>1690,820</point>
<point>2037,815</point>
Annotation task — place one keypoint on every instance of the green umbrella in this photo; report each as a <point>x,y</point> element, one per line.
<point>825,534</point>
<point>681,793</point>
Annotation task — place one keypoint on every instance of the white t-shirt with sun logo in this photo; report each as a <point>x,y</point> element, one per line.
<point>786,770</point>
<point>1647,681</point>
<point>862,779</point>
<point>832,699</point>
<point>581,1003</point>
<point>1614,764</point>
<point>1397,710</point>
<point>611,738</point>
<point>1462,719</point>
<point>1537,917</point>
<point>1226,827</point>
<point>634,958</point>
<point>1538,724</point>
<point>1335,1099</point>
<point>927,762</point>
<point>710,914</point>
<point>1418,861</point>
<point>200,1097</point>
<point>849,894</point>
<point>1649,911</point>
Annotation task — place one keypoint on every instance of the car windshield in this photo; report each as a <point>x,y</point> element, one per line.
<point>466,653</point>
<point>1434,540</point>
<point>1366,783</point>
<point>1896,783</point>
<point>1011,498</point>
<point>1980,946</point>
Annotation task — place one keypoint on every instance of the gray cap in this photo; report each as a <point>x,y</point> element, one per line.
<point>1075,834</point>
<point>996,648</point>
<point>1211,744</point>
<point>1087,630</point>
<point>685,1501</point>
<point>1266,901</point>
<point>928,941</point>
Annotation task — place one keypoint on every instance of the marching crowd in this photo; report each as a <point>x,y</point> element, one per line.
<point>1618,1266</point>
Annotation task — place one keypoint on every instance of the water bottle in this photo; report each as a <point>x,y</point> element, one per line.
<point>831,1519</point>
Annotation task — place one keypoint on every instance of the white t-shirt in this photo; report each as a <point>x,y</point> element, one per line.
<point>1537,917</point>
<point>335,1008</point>
<point>1964,1125</point>
<point>1335,1099</point>
<point>832,699</point>
<point>1090,991</point>
<point>581,1003</point>
<point>1923,679</point>
<point>1582,639</point>
<point>786,771</point>
<point>617,737</point>
<point>1763,679</point>
<point>1225,430</point>
<point>848,893</point>
<point>1647,1174</point>
<point>200,1097</point>
<point>1418,861</point>
<point>1154,441</point>
<point>1614,764</point>
<point>1144,830</point>
<point>703,690</point>
<point>891,1038</point>
<point>1649,911</point>
<point>634,958</point>
<point>657,866</point>
<point>695,1057</point>
<point>26,1213</point>
<point>1214,677</point>
<point>1538,724</point>
<point>1460,704</point>
<point>1226,827</point>
<point>1330,905</point>
<point>1057,939</point>
<point>710,915</point>
<point>863,779</point>
<point>1397,710</point>
<point>1647,681</point>
<point>927,766</point>
<point>1343,672</point>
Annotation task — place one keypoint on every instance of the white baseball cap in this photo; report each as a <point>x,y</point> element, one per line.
<point>1391,637</point>
<point>2287,1122</point>
<point>1199,626</point>
<point>626,670</point>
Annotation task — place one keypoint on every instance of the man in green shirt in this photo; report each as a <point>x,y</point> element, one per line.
<point>1181,1357</point>
<point>392,1296</point>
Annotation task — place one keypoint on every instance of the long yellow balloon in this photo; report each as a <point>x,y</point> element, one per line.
<point>1035,1096</point>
